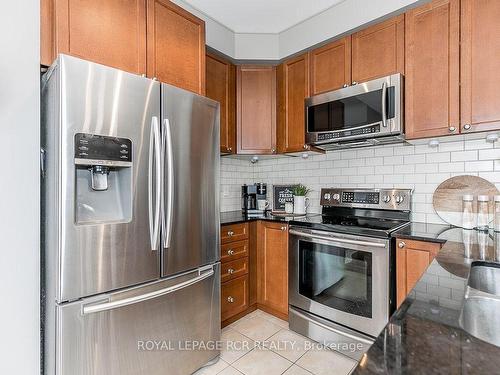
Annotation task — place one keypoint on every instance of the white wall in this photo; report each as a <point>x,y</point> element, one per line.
<point>19,187</point>
<point>337,20</point>
<point>256,46</point>
<point>418,167</point>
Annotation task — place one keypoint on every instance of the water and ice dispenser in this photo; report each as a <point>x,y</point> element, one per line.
<point>103,167</point>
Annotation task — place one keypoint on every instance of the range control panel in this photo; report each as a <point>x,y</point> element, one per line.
<point>386,199</point>
<point>98,149</point>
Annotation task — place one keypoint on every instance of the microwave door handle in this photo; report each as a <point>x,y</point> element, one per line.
<point>384,102</point>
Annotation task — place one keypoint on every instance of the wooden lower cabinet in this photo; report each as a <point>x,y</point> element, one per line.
<point>272,267</point>
<point>234,232</point>
<point>234,297</point>
<point>412,259</point>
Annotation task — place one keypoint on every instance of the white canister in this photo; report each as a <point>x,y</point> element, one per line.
<point>300,204</point>
<point>289,207</point>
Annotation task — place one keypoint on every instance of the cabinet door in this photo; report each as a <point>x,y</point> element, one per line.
<point>176,46</point>
<point>272,258</point>
<point>480,65</point>
<point>412,259</point>
<point>111,32</point>
<point>256,109</point>
<point>293,89</point>
<point>432,69</point>
<point>234,297</point>
<point>221,86</point>
<point>378,51</point>
<point>331,66</point>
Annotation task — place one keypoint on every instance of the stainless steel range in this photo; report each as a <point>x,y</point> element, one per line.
<point>342,267</point>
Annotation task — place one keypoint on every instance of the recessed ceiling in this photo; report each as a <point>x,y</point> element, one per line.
<point>261,16</point>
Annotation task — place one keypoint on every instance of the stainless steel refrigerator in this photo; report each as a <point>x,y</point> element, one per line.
<point>130,218</point>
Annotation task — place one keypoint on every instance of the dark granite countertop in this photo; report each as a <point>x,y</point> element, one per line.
<point>233,217</point>
<point>424,335</point>
<point>422,232</point>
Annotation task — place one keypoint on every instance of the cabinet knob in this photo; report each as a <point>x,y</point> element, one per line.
<point>230,149</point>
<point>230,252</point>
<point>451,129</point>
<point>230,233</point>
<point>273,150</point>
<point>354,83</point>
<point>230,299</point>
<point>283,229</point>
<point>345,85</point>
<point>230,271</point>
<point>155,79</point>
<point>401,245</point>
<point>306,147</point>
<point>467,127</point>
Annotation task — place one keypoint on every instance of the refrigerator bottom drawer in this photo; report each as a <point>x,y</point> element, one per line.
<point>166,327</point>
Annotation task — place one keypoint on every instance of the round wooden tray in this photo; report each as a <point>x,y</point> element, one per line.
<point>447,199</point>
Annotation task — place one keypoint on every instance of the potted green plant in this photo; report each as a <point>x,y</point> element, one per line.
<point>300,201</point>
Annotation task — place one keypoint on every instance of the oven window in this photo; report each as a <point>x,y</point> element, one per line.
<point>357,110</point>
<point>336,277</point>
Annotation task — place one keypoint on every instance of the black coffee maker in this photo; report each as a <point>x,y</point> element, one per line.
<point>250,194</point>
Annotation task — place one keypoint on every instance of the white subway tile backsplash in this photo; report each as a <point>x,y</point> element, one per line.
<point>418,167</point>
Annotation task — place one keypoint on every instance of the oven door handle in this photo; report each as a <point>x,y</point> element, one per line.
<point>334,330</point>
<point>384,99</point>
<point>332,239</point>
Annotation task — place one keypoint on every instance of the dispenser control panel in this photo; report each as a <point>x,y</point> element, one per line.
<point>102,150</point>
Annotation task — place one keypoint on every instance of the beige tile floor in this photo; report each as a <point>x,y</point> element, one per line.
<point>260,343</point>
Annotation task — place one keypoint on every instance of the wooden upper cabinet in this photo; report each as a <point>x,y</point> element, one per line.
<point>175,46</point>
<point>272,266</point>
<point>330,66</point>
<point>480,65</point>
<point>256,109</point>
<point>378,51</point>
<point>293,89</point>
<point>111,32</point>
<point>432,97</point>
<point>221,86</point>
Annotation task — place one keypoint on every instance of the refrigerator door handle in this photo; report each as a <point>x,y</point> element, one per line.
<point>202,275</point>
<point>154,158</point>
<point>169,209</point>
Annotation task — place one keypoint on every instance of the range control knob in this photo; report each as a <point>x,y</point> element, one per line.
<point>400,199</point>
<point>336,197</point>
<point>386,198</point>
<point>327,196</point>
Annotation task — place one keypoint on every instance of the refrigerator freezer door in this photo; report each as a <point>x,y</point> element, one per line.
<point>143,330</point>
<point>191,227</point>
<point>91,257</point>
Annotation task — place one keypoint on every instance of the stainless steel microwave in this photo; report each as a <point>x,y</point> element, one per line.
<point>364,114</point>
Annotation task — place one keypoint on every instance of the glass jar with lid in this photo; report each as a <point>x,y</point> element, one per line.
<point>468,221</point>
<point>483,212</point>
<point>496,216</point>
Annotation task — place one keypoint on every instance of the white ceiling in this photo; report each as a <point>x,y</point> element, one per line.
<point>261,16</point>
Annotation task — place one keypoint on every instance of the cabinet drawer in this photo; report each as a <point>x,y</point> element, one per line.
<point>234,232</point>
<point>232,270</point>
<point>234,297</point>
<point>234,250</point>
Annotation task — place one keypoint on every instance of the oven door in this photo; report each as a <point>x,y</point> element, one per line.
<point>342,278</point>
<point>366,110</point>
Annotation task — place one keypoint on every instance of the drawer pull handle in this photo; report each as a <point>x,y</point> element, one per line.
<point>230,233</point>
<point>230,252</point>
<point>230,271</point>
<point>230,299</point>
